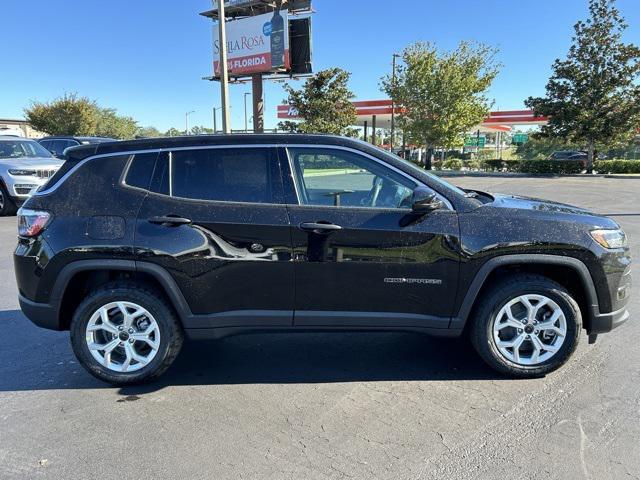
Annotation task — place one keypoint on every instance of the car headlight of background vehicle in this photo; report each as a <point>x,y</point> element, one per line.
<point>610,238</point>
<point>22,172</point>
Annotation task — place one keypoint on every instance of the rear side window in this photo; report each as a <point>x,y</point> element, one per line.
<point>140,170</point>
<point>249,175</point>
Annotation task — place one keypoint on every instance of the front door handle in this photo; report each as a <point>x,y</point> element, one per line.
<point>319,227</point>
<point>169,220</point>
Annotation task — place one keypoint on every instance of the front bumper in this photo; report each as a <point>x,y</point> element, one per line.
<point>605,322</point>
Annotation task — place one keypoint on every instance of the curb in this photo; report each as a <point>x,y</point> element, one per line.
<point>457,173</point>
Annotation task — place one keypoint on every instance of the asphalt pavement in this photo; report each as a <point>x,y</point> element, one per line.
<point>329,406</point>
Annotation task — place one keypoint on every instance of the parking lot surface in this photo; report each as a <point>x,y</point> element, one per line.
<point>329,406</point>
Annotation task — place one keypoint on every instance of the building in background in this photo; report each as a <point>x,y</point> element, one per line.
<point>20,128</point>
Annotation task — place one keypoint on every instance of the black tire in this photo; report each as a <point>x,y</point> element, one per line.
<point>488,307</point>
<point>7,206</point>
<point>171,335</point>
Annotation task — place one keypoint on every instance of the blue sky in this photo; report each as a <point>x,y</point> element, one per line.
<point>146,58</point>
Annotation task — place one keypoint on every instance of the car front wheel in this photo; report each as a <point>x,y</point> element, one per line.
<point>526,326</point>
<point>124,334</point>
<point>7,207</point>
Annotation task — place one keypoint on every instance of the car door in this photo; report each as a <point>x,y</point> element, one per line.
<point>362,259</point>
<point>216,221</point>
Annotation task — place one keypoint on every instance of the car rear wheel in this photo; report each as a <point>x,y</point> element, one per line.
<point>124,334</point>
<point>7,207</point>
<point>526,326</point>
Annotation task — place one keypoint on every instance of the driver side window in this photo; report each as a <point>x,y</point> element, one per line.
<point>333,177</point>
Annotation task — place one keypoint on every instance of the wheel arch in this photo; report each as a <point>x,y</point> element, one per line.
<point>564,270</point>
<point>78,278</point>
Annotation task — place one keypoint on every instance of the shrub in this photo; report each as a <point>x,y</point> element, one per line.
<point>617,166</point>
<point>496,165</point>
<point>550,166</point>
<point>452,164</point>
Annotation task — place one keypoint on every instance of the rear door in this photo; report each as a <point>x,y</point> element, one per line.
<point>216,221</point>
<point>361,257</point>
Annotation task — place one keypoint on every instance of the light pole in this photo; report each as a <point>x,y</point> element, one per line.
<point>215,120</point>
<point>186,121</point>
<point>393,106</point>
<point>246,119</point>
<point>224,74</point>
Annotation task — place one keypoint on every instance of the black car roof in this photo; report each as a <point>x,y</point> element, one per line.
<point>84,151</point>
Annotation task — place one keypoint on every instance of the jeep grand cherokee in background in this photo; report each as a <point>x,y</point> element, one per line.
<point>132,245</point>
<point>24,166</point>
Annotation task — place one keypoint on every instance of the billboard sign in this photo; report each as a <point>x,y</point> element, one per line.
<point>255,44</point>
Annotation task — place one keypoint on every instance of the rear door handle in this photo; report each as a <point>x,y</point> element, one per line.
<point>319,227</point>
<point>169,220</point>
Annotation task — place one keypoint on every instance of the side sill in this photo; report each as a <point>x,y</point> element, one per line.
<point>310,318</point>
<point>217,333</point>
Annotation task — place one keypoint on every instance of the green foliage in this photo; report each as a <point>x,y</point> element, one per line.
<point>541,148</point>
<point>110,124</point>
<point>617,166</point>
<point>200,130</point>
<point>323,103</point>
<point>73,115</point>
<point>148,132</point>
<point>67,115</point>
<point>442,94</point>
<point>173,132</point>
<point>593,96</point>
<point>452,164</point>
<point>564,167</point>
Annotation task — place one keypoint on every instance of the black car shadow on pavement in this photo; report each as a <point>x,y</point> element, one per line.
<point>45,361</point>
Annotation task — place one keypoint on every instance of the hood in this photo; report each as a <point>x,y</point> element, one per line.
<point>35,162</point>
<point>554,209</point>
<point>537,204</point>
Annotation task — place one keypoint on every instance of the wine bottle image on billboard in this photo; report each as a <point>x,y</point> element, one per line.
<point>277,40</point>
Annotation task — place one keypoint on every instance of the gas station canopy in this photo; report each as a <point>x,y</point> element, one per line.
<point>377,113</point>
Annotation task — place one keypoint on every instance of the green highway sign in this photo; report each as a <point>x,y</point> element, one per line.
<point>520,138</point>
<point>475,141</point>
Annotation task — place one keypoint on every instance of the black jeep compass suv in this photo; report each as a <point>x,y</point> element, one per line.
<point>133,245</point>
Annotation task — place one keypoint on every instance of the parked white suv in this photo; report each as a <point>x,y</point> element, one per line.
<point>24,166</point>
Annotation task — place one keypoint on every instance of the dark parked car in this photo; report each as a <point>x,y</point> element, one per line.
<point>57,145</point>
<point>133,245</point>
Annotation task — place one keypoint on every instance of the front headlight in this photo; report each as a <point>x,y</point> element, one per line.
<point>22,173</point>
<point>610,238</point>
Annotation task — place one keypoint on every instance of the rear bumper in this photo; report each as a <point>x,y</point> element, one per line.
<point>42,314</point>
<point>605,322</point>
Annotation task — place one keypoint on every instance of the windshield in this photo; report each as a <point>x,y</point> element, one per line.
<point>22,149</point>
<point>413,166</point>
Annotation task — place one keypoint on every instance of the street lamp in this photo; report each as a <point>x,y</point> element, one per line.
<point>393,106</point>
<point>186,121</point>
<point>246,119</point>
<point>215,121</point>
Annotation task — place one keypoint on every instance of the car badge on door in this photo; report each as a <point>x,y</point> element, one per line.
<point>424,281</point>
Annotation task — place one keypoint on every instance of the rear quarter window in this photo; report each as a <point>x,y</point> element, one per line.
<point>140,170</point>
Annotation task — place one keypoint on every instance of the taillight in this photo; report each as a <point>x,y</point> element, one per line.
<point>32,222</point>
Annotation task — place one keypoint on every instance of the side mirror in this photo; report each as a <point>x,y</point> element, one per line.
<point>424,200</point>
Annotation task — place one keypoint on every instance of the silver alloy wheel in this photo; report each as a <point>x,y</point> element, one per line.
<point>123,336</point>
<point>1,199</point>
<point>529,329</point>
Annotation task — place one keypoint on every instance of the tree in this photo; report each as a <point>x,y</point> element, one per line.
<point>441,94</point>
<point>173,132</point>
<point>593,97</point>
<point>148,132</point>
<point>67,115</point>
<point>324,104</point>
<point>73,115</point>
<point>200,130</point>
<point>110,124</point>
